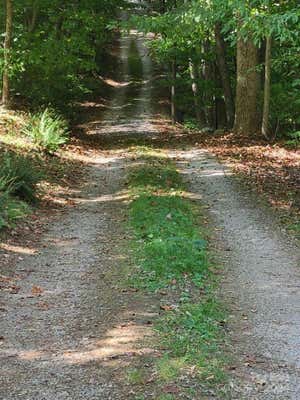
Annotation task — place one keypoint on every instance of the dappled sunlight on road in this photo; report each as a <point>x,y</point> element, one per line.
<point>26,250</point>
<point>124,340</point>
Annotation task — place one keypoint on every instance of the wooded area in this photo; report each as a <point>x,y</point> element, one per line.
<point>55,44</point>
<point>218,48</point>
<point>149,199</point>
<point>232,64</point>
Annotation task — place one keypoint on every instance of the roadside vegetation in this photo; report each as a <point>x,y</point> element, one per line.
<point>18,187</point>
<point>47,130</point>
<point>30,161</point>
<point>172,258</point>
<point>49,57</point>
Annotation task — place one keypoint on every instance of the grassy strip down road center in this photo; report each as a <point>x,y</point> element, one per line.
<point>171,255</point>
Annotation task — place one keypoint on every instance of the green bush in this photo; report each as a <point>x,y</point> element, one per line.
<point>47,130</point>
<point>10,209</point>
<point>18,177</point>
<point>294,139</point>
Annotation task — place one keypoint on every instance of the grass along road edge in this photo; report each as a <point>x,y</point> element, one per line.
<point>171,256</point>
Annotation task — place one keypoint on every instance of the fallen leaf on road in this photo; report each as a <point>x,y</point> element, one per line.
<point>163,292</point>
<point>167,308</point>
<point>14,289</point>
<point>43,306</point>
<point>171,389</point>
<point>36,291</point>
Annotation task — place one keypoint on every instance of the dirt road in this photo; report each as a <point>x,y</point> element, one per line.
<point>261,285</point>
<point>70,332</point>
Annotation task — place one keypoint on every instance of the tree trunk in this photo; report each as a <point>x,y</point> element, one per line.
<point>194,73</point>
<point>247,115</point>
<point>224,73</point>
<point>7,48</point>
<point>209,76</point>
<point>173,90</point>
<point>267,88</point>
<point>34,17</point>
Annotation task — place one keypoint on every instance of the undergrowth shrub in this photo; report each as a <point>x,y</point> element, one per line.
<point>294,139</point>
<point>19,177</point>
<point>10,209</point>
<point>48,131</point>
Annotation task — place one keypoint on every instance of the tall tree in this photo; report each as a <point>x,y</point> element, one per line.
<point>247,115</point>
<point>7,50</point>
<point>224,73</point>
<point>267,88</point>
<point>194,74</point>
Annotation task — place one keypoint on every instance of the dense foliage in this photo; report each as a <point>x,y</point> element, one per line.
<point>235,61</point>
<point>217,48</point>
<point>55,45</point>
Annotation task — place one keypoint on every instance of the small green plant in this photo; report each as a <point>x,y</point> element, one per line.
<point>166,397</point>
<point>47,130</point>
<point>169,369</point>
<point>19,177</point>
<point>10,209</point>
<point>294,139</point>
<point>191,124</point>
<point>295,228</point>
<point>135,376</point>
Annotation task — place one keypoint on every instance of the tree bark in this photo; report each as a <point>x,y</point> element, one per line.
<point>209,76</point>
<point>34,17</point>
<point>224,73</point>
<point>247,115</point>
<point>7,49</point>
<point>173,90</point>
<point>194,73</point>
<point>267,88</point>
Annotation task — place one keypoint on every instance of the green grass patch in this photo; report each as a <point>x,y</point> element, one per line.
<point>295,229</point>
<point>169,369</point>
<point>168,242</point>
<point>136,376</point>
<point>171,252</point>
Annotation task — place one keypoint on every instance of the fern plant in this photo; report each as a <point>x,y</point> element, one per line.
<point>19,177</point>
<point>10,209</point>
<point>47,130</point>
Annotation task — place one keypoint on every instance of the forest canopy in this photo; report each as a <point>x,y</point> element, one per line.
<point>231,64</point>
<point>54,44</point>
<point>240,60</point>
